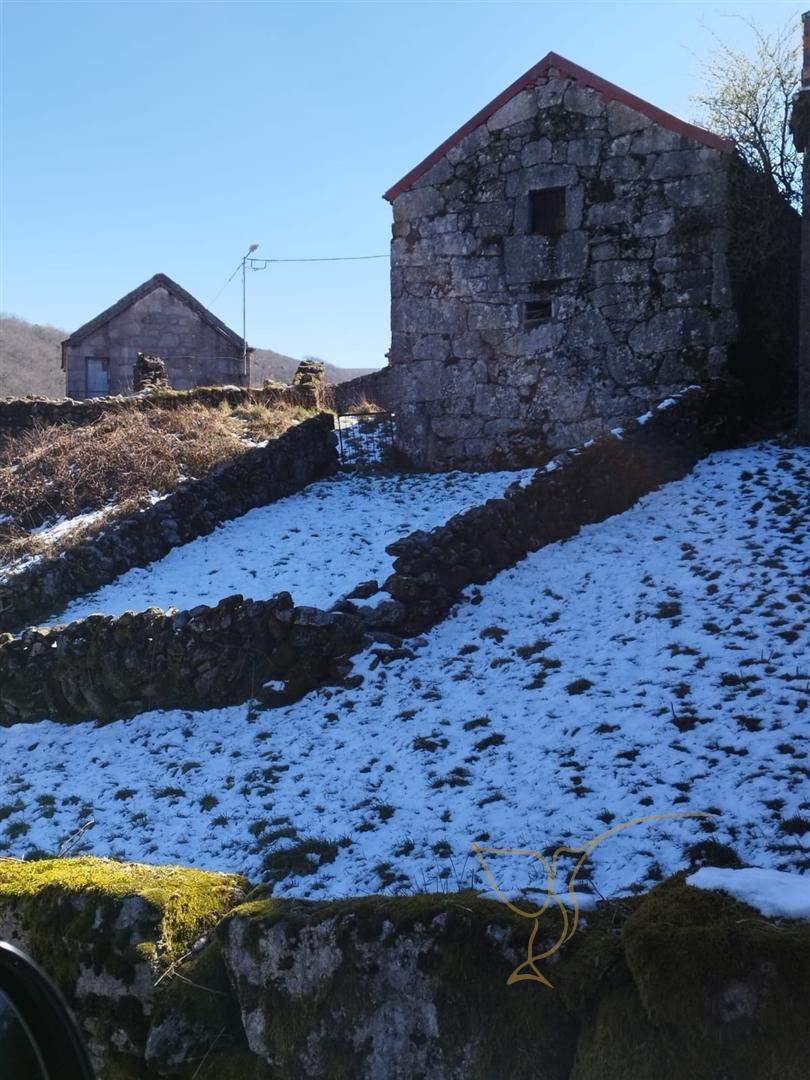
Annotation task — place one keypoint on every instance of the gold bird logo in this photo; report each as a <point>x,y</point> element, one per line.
<point>528,971</point>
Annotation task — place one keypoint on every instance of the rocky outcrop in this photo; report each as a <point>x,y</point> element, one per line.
<point>261,475</point>
<point>108,933</point>
<point>676,983</point>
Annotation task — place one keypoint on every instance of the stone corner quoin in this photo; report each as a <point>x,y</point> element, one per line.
<point>560,268</point>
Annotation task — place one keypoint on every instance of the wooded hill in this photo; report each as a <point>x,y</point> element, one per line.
<point>30,361</point>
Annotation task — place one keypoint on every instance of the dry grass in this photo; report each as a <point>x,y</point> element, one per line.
<point>120,462</point>
<point>259,422</point>
<point>364,407</point>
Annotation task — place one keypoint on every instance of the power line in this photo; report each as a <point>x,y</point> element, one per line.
<point>253,264</point>
<point>227,283</point>
<point>329,258</point>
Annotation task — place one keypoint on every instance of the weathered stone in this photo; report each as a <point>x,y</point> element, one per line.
<point>536,152</point>
<point>632,252</point>
<point>581,99</point>
<point>621,119</point>
<point>420,202</point>
<point>520,107</point>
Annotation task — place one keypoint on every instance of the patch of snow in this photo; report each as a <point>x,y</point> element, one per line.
<point>773,892</point>
<point>52,530</point>
<point>654,663</point>
<point>317,544</point>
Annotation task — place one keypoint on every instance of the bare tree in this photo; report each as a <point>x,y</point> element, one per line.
<point>748,97</point>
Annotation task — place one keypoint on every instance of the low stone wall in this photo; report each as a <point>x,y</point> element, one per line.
<point>261,475</point>
<point>105,668</point>
<point>579,487</point>
<point>18,415</point>
<point>108,668</point>
<point>676,983</point>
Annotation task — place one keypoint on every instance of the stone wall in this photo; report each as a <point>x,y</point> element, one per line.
<point>106,667</point>
<point>507,343</point>
<point>579,487</point>
<point>678,982</point>
<point>261,475</point>
<point>18,415</point>
<point>160,323</point>
<point>375,388</point>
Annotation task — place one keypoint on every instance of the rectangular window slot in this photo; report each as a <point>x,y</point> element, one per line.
<point>547,211</point>
<point>537,312</point>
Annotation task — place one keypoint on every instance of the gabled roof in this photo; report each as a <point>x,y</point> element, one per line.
<point>568,70</point>
<point>159,281</point>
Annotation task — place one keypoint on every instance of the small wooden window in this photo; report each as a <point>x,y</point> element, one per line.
<point>547,211</point>
<point>537,312</point>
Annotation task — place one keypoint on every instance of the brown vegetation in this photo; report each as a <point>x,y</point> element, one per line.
<point>120,462</point>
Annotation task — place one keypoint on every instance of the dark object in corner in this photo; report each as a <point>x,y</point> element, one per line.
<point>39,1039</point>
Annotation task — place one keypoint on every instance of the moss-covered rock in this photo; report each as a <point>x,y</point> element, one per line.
<point>381,988</point>
<point>106,932</point>
<point>677,983</point>
<point>726,989</point>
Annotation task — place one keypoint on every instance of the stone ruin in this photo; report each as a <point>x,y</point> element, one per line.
<point>570,257</point>
<point>149,373</point>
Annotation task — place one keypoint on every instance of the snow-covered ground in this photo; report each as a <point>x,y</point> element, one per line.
<point>656,663</point>
<point>317,544</point>
<point>48,534</point>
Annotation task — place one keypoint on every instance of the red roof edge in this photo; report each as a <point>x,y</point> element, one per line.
<point>608,90</point>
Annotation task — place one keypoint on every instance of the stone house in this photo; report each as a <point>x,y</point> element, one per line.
<point>161,318</point>
<point>560,263</point>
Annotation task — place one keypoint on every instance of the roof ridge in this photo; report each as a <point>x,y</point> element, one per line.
<point>568,69</point>
<point>156,281</point>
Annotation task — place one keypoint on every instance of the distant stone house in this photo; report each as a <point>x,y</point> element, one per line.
<point>161,318</point>
<point>560,263</point>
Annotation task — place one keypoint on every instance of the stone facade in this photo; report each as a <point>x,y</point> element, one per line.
<point>557,267</point>
<point>159,318</point>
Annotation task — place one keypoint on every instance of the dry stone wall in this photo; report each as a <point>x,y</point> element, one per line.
<point>601,478</point>
<point>261,475</point>
<point>631,298</point>
<point>18,415</point>
<point>107,667</point>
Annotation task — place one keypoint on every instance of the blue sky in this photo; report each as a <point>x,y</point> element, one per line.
<point>140,137</point>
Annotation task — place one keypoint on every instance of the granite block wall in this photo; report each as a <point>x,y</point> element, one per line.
<point>195,352</point>
<point>514,336</point>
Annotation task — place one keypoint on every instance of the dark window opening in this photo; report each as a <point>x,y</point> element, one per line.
<point>537,312</point>
<point>547,211</point>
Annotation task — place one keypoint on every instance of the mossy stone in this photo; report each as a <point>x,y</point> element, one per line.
<point>105,931</point>
<point>379,986</point>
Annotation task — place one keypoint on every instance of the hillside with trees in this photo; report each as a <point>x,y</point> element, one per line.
<point>30,361</point>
